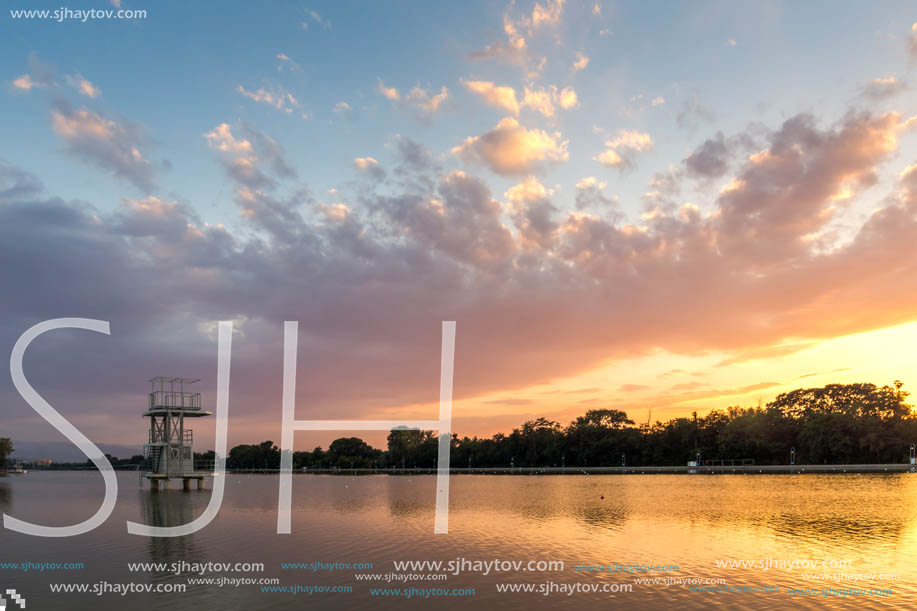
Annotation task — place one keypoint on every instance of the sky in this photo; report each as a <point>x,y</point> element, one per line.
<point>657,207</point>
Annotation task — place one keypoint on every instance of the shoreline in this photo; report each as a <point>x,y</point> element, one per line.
<point>655,470</point>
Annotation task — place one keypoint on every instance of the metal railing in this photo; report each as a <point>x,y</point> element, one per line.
<point>726,462</point>
<point>173,399</point>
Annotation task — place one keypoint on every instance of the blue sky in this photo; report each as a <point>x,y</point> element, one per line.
<point>177,72</point>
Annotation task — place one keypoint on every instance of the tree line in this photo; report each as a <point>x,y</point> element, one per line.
<point>836,424</point>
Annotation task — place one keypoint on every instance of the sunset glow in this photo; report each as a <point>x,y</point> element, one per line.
<point>608,228</point>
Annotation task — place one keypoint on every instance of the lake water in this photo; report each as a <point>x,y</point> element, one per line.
<point>866,524</point>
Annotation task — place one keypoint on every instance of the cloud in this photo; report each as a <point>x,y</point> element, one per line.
<point>429,103</point>
<point>567,98</point>
<point>622,148</point>
<point>39,76</point>
<point>661,197</point>
<point>512,149</point>
<point>514,50</point>
<point>413,155</point>
<point>83,86</point>
<point>423,102</point>
<point>315,17</point>
<point>540,100</point>
<point>882,88</point>
<point>154,216</point>
<point>369,166</point>
<point>269,151</point>
<point>237,155</point>
<point>590,195</point>
<point>533,212</point>
<point>389,92</point>
<point>251,159</point>
<point>279,98</point>
<point>460,221</point>
<point>631,139</point>
<point>786,193</point>
<point>544,100</point>
<point>693,113</point>
<point>912,43</point>
<point>766,352</point>
<point>344,109</point>
<point>371,280</point>
<point>580,63</point>
<point>257,165</point>
<point>104,143</point>
<point>548,13</point>
<point>710,159</point>
<point>16,184</point>
<point>285,63</point>
<point>25,83</point>
<point>500,97</point>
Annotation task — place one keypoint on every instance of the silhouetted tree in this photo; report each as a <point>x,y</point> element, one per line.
<point>6,448</point>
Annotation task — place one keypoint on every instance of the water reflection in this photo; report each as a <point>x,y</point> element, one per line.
<point>689,521</point>
<point>170,508</point>
<point>6,497</point>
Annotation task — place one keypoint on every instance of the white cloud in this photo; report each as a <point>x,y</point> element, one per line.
<point>419,99</point>
<point>365,163</point>
<point>247,158</point>
<point>104,143</point>
<point>620,150</point>
<point>369,166</point>
<point>426,101</point>
<point>511,149</point>
<point>913,41</point>
<point>316,18</point>
<point>39,75</point>
<point>544,100</point>
<point>25,83</point>
<point>548,13</point>
<point>279,98</point>
<point>495,95</point>
<point>515,50</point>
<point>567,98</point>
<point>389,92</point>
<point>83,86</point>
<point>581,61</point>
<point>882,88</point>
<point>287,63</point>
<point>609,158</point>
<point>344,109</point>
<point>632,139</point>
